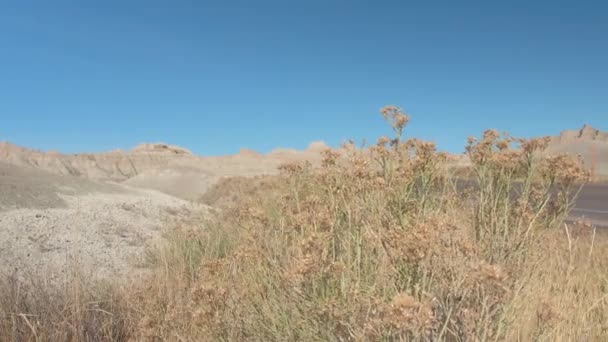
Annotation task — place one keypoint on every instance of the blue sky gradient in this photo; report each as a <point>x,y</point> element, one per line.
<point>216,76</point>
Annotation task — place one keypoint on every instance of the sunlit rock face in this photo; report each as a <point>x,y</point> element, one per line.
<point>170,169</point>
<point>589,143</point>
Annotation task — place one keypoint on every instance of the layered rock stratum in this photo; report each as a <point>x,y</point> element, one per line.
<point>589,143</point>
<point>170,169</point>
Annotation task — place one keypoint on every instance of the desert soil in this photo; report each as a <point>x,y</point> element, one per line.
<point>50,224</point>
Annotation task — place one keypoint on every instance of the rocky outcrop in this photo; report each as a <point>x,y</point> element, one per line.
<point>170,169</point>
<point>115,165</point>
<point>589,143</point>
<point>161,148</point>
<point>586,133</point>
<point>317,147</point>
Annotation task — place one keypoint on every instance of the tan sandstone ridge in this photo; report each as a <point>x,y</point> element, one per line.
<point>167,168</point>
<point>177,171</point>
<point>588,142</point>
<point>586,133</point>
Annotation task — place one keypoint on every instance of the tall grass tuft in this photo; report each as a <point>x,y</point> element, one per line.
<point>69,309</point>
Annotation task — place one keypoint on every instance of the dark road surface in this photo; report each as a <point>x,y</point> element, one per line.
<point>592,204</point>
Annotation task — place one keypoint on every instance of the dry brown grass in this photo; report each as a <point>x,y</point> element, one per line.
<point>563,294</point>
<point>70,309</point>
<point>378,244</point>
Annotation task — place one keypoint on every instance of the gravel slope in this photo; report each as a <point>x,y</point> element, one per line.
<point>50,223</point>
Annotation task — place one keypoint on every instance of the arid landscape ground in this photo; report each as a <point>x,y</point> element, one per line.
<point>308,240</point>
<point>102,210</point>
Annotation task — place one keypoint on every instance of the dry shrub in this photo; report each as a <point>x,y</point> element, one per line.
<point>564,288</point>
<point>228,191</point>
<point>518,191</point>
<point>383,244</point>
<point>376,244</point>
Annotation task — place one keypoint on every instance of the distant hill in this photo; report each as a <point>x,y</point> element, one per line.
<point>588,142</point>
<point>167,168</point>
<point>177,171</point>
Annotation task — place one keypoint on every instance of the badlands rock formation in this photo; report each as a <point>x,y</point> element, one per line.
<point>590,143</point>
<point>101,211</point>
<point>169,169</point>
<point>115,165</point>
<point>586,133</point>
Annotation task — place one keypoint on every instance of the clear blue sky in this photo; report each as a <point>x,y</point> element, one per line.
<point>215,76</point>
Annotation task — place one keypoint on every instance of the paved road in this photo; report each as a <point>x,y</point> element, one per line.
<point>592,204</point>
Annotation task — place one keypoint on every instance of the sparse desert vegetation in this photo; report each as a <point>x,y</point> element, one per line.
<point>379,243</point>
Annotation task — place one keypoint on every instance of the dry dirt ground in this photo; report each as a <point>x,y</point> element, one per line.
<point>100,212</point>
<point>50,224</point>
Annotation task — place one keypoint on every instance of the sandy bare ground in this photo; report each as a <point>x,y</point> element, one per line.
<point>25,187</point>
<point>49,224</point>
